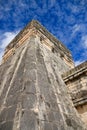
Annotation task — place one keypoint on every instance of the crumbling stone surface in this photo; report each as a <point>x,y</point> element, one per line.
<point>33,95</point>
<point>76,81</point>
<point>34,28</point>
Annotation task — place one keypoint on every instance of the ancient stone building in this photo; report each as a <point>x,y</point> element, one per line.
<point>76,81</point>
<point>33,95</point>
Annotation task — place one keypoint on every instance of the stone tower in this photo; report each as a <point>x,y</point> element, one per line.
<point>33,95</point>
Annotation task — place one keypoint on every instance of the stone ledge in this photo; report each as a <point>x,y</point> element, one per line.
<point>73,73</point>
<point>35,24</point>
<point>80,101</point>
<point>34,28</point>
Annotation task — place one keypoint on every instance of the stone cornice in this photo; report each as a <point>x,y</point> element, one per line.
<point>75,72</point>
<point>36,25</point>
<point>36,29</point>
<point>80,101</point>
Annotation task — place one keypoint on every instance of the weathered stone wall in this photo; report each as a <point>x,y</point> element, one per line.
<point>82,110</point>
<point>35,28</point>
<point>76,81</point>
<point>33,95</point>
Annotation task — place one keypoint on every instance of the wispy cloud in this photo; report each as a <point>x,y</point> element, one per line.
<point>78,62</point>
<point>84,41</point>
<point>5,40</point>
<point>79,28</point>
<point>68,24</point>
<point>8,36</point>
<point>76,28</point>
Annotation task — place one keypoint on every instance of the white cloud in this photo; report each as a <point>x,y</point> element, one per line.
<point>84,41</point>
<point>8,36</point>
<point>75,29</point>
<point>79,28</point>
<point>51,3</point>
<point>78,62</point>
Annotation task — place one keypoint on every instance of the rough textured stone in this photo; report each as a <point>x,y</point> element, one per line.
<point>32,88</point>
<point>76,81</point>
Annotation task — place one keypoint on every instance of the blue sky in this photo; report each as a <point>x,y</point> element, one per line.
<point>65,19</point>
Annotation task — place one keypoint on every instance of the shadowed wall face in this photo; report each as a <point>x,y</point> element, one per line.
<point>33,95</point>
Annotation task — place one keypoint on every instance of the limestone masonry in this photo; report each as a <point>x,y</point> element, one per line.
<point>40,88</point>
<point>76,81</point>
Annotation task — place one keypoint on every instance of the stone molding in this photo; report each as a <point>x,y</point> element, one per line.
<point>35,28</point>
<point>75,72</point>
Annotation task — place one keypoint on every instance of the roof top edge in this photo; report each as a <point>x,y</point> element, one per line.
<point>51,37</point>
<point>38,26</point>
